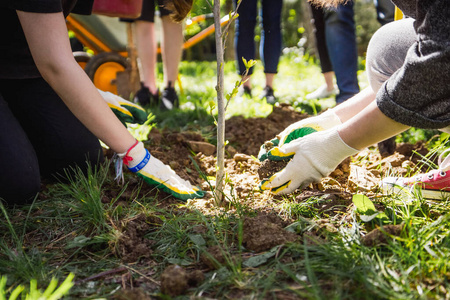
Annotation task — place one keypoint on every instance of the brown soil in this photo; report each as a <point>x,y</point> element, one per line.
<point>244,174</point>
<point>131,244</point>
<point>380,236</point>
<point>270,167</point>
<point>266,231</point>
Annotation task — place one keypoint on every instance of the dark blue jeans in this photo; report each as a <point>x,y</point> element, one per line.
<point>270,45</point>
<point>341,43</point>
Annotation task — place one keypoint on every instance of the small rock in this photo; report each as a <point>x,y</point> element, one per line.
<point>195,278</point>
<point>174,164</point>
<point>241,157</point>
<point>231,150</point>
<point>204,147</point>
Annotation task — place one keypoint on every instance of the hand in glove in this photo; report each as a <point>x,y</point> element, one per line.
<point>126,111</point>
<point>313,157</point>
<point>154,172</point>
<point>300,129</point>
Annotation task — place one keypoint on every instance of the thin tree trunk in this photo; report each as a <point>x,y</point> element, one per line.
<point>220,106</point>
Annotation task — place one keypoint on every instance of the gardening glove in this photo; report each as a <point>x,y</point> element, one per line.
<point>313,157</point>
<point>126,111</point>
<point>300,129</point>
<point>154,172</point>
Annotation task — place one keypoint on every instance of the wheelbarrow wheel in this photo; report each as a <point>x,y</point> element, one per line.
<point>82,58</point>
<point>102,70</point>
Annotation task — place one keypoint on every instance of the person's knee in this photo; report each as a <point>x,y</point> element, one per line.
<point>17,190</point>
<point>387,51</point>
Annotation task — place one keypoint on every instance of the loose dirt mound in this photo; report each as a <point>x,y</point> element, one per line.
<point>183,152</point>
<point>247,135</point>
<point>189,154</point>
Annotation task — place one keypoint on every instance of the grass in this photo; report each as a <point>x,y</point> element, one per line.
<point>72,229</point>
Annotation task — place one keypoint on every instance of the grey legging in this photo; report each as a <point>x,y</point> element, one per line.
<point>387,50</point>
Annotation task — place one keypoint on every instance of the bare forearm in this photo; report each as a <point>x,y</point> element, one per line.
<point>368,127</point>
<point>89,107</point>
<point>49,44</point>
<point>350,108</point>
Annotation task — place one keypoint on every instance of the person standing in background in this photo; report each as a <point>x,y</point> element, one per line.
<point>147,46</point>
<point>385,14</point>
<point>270,44</point>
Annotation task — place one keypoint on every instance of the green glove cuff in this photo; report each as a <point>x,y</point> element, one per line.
<point>122,114</point>
<point>182,195</point>
<point>138,113</point>
<point>298,133</point>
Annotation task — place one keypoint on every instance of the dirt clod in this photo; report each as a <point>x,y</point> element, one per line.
<point>132,245</point>
<point>131,294</point>
<point>380,236</point>
<point>213,257</point>
<point>264,232</point>
<point>270,167</point>
<point>174,281</point>
<point>195,278</point>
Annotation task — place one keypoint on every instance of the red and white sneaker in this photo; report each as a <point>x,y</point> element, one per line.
<point>432,185</point>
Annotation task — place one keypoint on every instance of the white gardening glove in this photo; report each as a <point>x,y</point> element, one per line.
<point>125,111</point>
<point>154,172</point>
<point>313,157</point>
<point>300,129</point>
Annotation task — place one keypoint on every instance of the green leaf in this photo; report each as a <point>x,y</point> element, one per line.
<point>363,204</point>
<point>367,209</point>
<point>245,63</point>
<point>79,242</point>
<point>197,239</point>
<point>261,259</point>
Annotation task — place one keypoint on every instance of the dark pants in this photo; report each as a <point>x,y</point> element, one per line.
<point>39,136</point>
<point>340,35</point>
<point>336,43</point>
<point>270,44</point>
<point>319,33</point>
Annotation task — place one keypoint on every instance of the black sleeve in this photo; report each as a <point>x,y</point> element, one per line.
<point>38,6</point>
<point>83,7</point>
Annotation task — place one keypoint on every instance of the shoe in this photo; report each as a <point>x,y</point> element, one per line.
<point>144,97</point>
<point>268,94</point>
<point>433,185</point>
<point>169,98</point>
<point>321,92</point>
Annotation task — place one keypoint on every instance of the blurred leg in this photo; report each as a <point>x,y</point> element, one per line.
<point>385,11</point>
<point>172,49</point>
<point>146,50</point>
<point>245,34</point>
<point>270,46</point>
<point>341,43</point>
